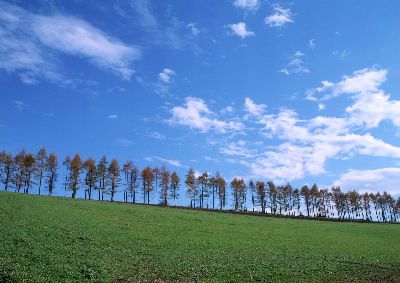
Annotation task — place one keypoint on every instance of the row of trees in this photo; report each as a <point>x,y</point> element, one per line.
<point>25,170</point>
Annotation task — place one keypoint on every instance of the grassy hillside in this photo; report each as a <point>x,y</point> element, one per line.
<point>47,239</point>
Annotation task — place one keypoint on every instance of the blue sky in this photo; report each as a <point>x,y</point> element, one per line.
<point>299,91</point>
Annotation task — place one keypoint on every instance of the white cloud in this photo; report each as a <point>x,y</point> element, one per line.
<point>240,30</point>
<point>31,45</point>
<point>250,5</point>
<point>77,37</point>
<point>196,114</point>
<point>311,43</point>
<point>371,105</point>
<point>122,142</point>
<point>175,163</point>
<point>157,135</point>
<point>112,116</point>
<point>279,17</point>
<point>296,65</point>
<point>193,28</point>
<point>252,108</point>
<point>375,180</point>
<point>227,109</point>
<point>238,148</point>
<point>321,106</point>
<point>19,105</point>
<point>166,75</point>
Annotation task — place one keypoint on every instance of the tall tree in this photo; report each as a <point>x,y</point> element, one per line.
<point>221,187</point>
<point>133,182</point>
<point>19,172</point>
<point>157,175</point>
<point>164,185</point>
<point>191,186</point>
<point>314,195</point>
<point>238,190</point>
<point>261,195</point>
<point>126,168</point>
<point>252,189</point>
<point>296,200</point>
<point>174,186</point>
<point>29,169</point>
<point>102,176</point>
<point>148,179</point>
<point>90,169</point>
<point>41,162</point>
<point>305,192</point>
<point>51,171</point>
<point>113,177</point>
<point>272,193</point>
<point>203,180</point>
<point>7,169</point>
<point>67,164</point>
<point>74,177</point>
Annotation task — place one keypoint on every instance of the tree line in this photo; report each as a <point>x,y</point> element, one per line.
<point>104,179</point>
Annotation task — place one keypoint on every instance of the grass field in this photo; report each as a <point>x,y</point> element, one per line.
<point>46,239</point>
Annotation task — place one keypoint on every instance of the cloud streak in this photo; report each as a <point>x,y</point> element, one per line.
<point>31,44</point>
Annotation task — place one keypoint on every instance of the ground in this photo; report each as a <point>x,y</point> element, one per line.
<point>52,239</point>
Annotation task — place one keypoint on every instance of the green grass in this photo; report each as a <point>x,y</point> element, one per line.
<point>45,239</point>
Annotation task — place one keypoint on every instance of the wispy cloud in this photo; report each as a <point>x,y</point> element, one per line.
<point>311,43</point>
<point>19,105</point>
<point>250,5</point>
<point>112,116</point>
<point>77,37</point>
<point>172,162</point>
<point>279,17</point>
<point>166,75</point>
<point>31,45</point>
<point>193,28</point>
<point>240,29</point>
<point>122,142</point>
<point>157,135</point>
<point>296,65</point>
<point>252,108</point>
<point>375,180</point>
<point>166,31</point>
<point>302,147</point>
<point>196,114</point>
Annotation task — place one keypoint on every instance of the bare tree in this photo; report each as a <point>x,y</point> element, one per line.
<point>272,193</point>
<point>90,175</point>
<point>203,180</point>
<point>101,176</point>
<point>238,190</point>
<point>29,170</point>
<point>51,171</point>
<point>305,192</point>
<point>75,174</point>
<point>67,164</point>
<point>148,179</point>
<point>133,182</point>
<point>174,186</point>
<point>7,169</point>
<point>164,186</point>
<point>221,187</point>
<point>19,172</point>
<point>191,187</point>
<point>113,177</point>
<point>252,189</point>
<point>41,159</point>
<point>261,195</point>
<point>126,168</point>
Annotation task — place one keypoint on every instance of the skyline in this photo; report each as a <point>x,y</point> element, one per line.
<point>292,92</point>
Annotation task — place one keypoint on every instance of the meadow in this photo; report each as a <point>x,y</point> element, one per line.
<point>55,239</point>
